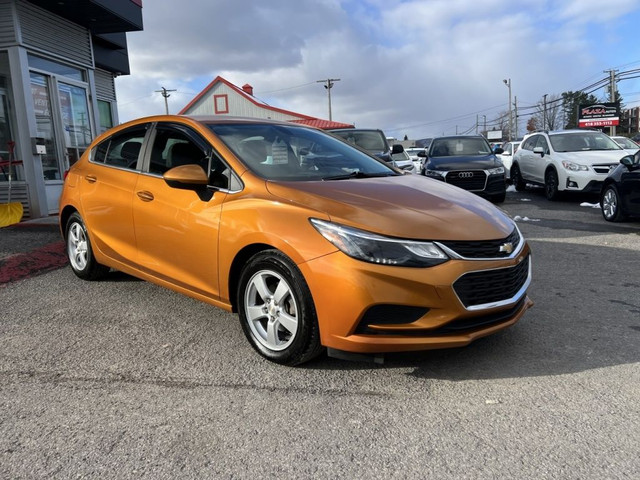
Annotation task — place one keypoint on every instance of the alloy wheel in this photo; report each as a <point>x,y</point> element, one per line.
<point>77,247</point>
<point>271,309</point>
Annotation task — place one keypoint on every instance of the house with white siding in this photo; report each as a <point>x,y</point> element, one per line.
<point>222,97</point>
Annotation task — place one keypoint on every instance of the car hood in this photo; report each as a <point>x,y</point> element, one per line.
<point>590,157</point>
<point>477,162</point>
<point>405,206</point>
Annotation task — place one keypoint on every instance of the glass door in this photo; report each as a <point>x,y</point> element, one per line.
<point>74,109</point>
<point>40,91</point>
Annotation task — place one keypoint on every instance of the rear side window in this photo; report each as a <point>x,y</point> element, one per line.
<point>122,150</point>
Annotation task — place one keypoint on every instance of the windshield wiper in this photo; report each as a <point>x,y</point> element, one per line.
<point>346,176</point>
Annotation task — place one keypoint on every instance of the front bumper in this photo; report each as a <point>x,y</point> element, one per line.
<point>583,181</point>
<point>369,308</point>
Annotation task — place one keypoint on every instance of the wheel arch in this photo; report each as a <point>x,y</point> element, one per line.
<point>64,216</point>
<point>237,264</point>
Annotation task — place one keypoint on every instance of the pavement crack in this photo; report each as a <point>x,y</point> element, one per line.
<point>59,378</point>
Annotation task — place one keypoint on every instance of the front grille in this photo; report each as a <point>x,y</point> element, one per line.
<point>467,179</point>
<point>486,248</point>
<point>489,286</point>
<point>603,169</point>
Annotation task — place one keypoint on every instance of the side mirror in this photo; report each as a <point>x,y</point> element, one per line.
<point>539,151</point>
<point>422,154</point>
<point>498,151</point>
<point>397,148</point>
<point>186,177</point>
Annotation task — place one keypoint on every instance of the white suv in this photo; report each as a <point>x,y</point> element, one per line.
<point>566,160</point>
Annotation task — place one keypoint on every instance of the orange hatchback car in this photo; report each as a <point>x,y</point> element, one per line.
<point>312,241</point>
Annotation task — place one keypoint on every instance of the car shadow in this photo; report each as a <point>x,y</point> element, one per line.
<point>586,316</point>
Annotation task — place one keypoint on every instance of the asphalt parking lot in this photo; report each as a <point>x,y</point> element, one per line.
<point>123,379</point>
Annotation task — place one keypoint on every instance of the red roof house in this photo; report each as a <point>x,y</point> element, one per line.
<point>222,97</point>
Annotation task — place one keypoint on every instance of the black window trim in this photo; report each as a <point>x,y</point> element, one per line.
<point>141,156</point>
<point>197,139</point>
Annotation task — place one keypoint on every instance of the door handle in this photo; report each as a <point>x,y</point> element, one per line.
<point>91,178</point>
<point>145,196</point>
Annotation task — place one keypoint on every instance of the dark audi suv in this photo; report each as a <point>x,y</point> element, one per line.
<point>466,162</point>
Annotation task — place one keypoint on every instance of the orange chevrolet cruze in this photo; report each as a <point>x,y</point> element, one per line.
<point>315,243</point>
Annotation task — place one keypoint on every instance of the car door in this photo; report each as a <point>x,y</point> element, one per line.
<point>176,229</point>
<point>540,162</point>
<point>107,187</point>
<point>526,157</point>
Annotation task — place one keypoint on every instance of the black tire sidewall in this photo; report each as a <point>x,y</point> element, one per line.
<point>554,194</point>
<point>307,337</point>
<point>516,178</point>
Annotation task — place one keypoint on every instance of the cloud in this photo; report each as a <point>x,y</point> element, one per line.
<point>417,67</point>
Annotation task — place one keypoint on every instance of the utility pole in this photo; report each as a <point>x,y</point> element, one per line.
<point>165,95</point>
<point>328,83</point>
<point>612,94</point>
<point>485,125</point>
<point>508,84</point>
<point>544,113</point>
<point>515,107</point>
<point>477,120</point>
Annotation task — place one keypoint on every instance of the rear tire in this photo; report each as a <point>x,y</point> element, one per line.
<point>276,309</point>
<point>79,250</point>
<point>610,204</point>
<point>517,180</point>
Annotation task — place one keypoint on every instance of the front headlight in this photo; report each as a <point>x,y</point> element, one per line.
<point>374,248</point>
<point>574,167</point>
<point>496,171</point>
<point>434,173</point>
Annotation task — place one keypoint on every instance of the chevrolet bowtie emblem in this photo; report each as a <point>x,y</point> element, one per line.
<point>506,247</point>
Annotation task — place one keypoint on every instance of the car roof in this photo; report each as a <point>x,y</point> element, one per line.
<point>450,137</point>
<point>233,119</point>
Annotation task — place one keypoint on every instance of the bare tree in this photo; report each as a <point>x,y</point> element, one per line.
<point>549,113</point>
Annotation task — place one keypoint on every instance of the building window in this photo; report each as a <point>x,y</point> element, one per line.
<point>56,68</point>
<point>106,119</point>
<point>221,103</point>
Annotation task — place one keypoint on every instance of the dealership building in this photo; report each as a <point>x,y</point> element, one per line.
<point>58,62</point>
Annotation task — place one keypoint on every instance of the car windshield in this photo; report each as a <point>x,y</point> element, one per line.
<point>625,142</point>
<point>371,141</point>
<point>579,142</point>
<point>291,153</point>
<point>459,147</point>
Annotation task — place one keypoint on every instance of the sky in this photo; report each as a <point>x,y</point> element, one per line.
<point>419,68</point>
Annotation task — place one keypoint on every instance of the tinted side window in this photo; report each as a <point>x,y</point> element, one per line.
<point>542,142</point>
<point>122,149</point>
<point>530,143</point>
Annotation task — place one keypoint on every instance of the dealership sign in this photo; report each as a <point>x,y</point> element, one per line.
<point>599,115</point>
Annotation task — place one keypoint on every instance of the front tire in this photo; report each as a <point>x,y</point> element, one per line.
<point>517,180</point>
<point>499,198</point>
<point>276,309</point>
<point>610,204</point>
<point>79,250</point>
<point>551,185</point>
